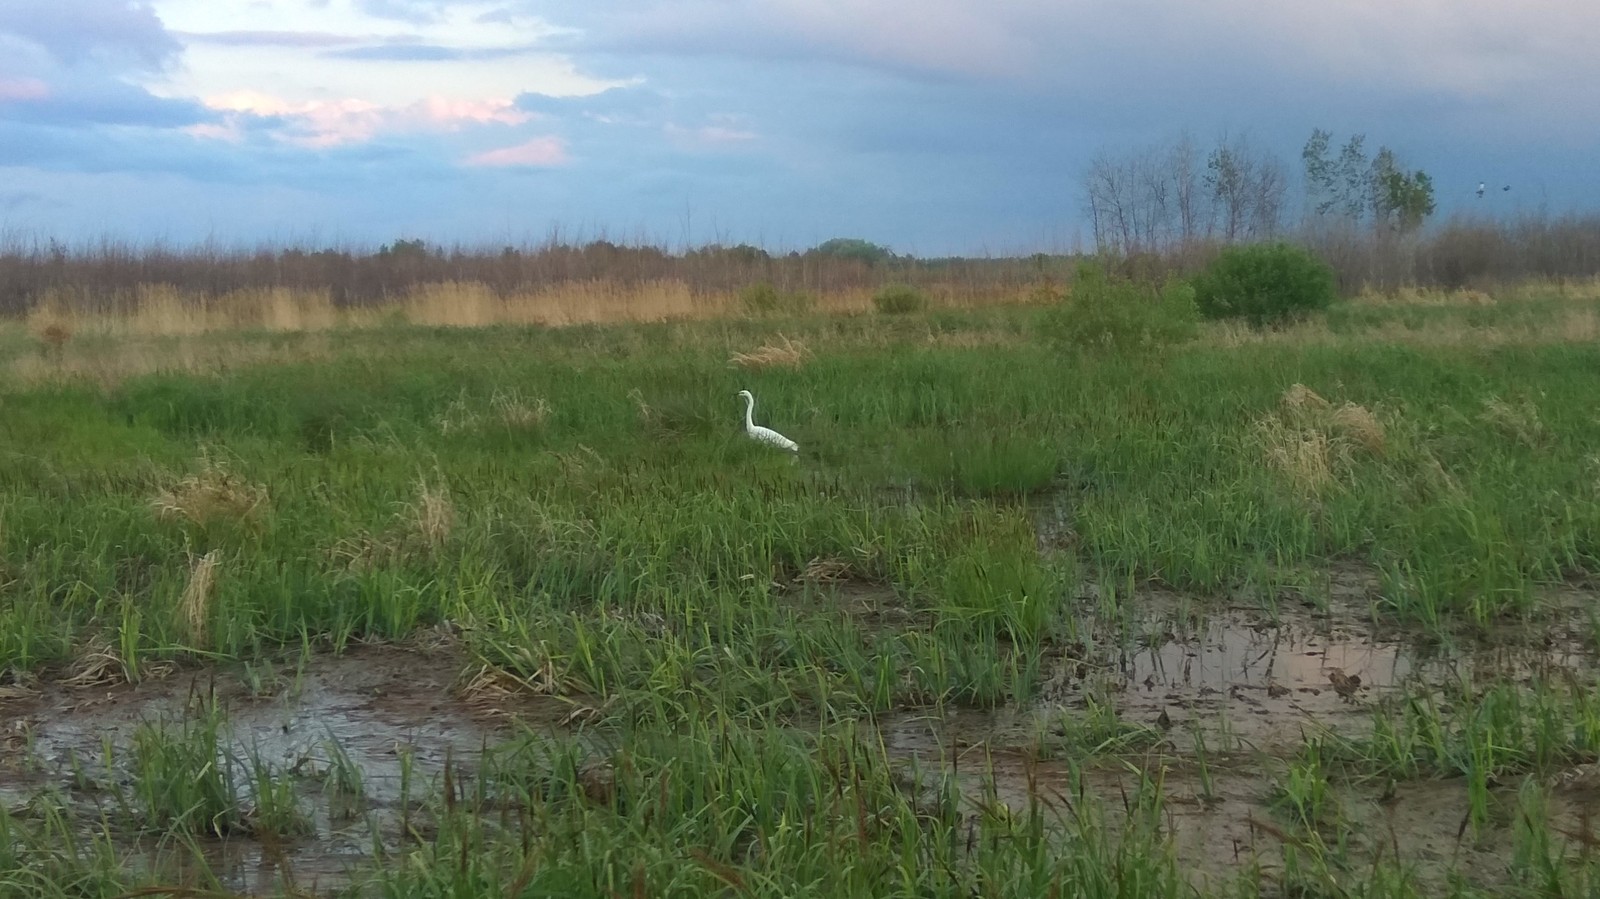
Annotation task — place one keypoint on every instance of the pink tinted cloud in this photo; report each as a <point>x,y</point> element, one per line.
<point>329,123</point>
<point>23,90</point>
<point>540,152</point>
<point>709,134</point>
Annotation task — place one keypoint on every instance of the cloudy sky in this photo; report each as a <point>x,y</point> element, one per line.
<point>933,126</point>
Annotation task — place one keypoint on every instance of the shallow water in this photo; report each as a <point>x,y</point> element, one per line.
<point>1252,687</point>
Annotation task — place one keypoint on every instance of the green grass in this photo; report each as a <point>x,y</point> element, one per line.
<point>582,503</point>
<point>1162,469</point>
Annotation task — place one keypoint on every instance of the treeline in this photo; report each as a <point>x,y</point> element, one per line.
<point>106,274</point>
<point>1178,194</point>
<point>1463,252</point>
<point>1172,205</point>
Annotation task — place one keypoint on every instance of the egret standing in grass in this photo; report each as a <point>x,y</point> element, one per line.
<point>757,432</point>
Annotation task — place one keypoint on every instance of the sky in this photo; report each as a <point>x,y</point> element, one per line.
<point>934,127</point>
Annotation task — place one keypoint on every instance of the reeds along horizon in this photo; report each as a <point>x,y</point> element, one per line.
<point>557,282</point>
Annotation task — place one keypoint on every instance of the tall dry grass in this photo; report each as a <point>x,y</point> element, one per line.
<point>165,311</point>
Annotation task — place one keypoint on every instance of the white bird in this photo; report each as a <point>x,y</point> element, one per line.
<point>757,432</point>
<point>1480,190</point>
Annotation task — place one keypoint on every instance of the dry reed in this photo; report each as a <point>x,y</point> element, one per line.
<point>1312,440</point>
<point>213,494</point>
<point>194,606</point>
<point>785,353</point>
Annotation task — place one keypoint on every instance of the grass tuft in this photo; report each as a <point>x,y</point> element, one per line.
<point>194,606</point>
<point>785,353</point>
<point>211,495</point>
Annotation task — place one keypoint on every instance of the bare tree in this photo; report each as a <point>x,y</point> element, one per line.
<point>1109,200</point>
<point>1160,197</point>
<point>1190,204</point>
<point>1267,192</point>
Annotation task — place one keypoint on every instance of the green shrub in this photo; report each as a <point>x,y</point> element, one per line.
<point>899,299</point>
<point>764,299</point>
<point>1118,315</point>
<point>1264,284</point>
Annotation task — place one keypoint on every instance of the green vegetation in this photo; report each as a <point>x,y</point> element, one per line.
<point>1121,316</point>
<point>987,524</point>
<point>854,249</point>
<point>1264,284</point>
<point>899,299</point>
<point>762,298</point>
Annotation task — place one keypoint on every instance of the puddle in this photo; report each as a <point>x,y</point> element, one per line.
<point>377,704</point>
<point>1252,687</point>
<point>1226,821</point>
<point>392,712</point>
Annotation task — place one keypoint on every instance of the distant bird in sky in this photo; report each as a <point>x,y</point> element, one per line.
<point>1480,190</point>
<point>757,432</point>
<point>1507,187</point>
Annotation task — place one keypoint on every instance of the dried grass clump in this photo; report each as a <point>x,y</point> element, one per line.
<point>1299,398</point>
<point>507,407</point>
<point>516,411</point>
<point>785,353</point>
<point>431,517</point>
<point>1313,440</point>
<point>194,607</point>
<point>213,494</point>
<point>1358,424</point>
<point>422,528</point>
<point>457,417</point>
<point>830,570</point>
<point>1305,455</point>
<point>98,664</point>
<point>1519,421</point>
<point>492,685</point>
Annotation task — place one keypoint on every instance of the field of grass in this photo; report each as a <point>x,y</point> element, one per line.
<point>952,648</point>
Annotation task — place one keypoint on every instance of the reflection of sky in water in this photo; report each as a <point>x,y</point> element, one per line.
<point>1231,652</point>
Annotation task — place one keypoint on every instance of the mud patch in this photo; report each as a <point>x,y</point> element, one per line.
<point>1210,713</point>
<point>1228,823</point>
<point>391,716</point>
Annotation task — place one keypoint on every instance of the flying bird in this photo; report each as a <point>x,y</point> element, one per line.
<point>757,432</point>
<point>1480,190</point>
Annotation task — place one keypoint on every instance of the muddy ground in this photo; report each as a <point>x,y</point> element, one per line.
<point>1212,708</point>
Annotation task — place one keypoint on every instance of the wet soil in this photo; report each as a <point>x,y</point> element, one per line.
<point>1213,710</point>
<point>386,709</point>
<point>1247,686</point>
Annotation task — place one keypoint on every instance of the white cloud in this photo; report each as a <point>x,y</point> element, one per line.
<point>714,135</point>
<point>319,123</point>
<point>290,49</point>
<point>537,153</point>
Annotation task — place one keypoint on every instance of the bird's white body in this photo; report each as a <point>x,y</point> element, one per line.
<point>757,432</point>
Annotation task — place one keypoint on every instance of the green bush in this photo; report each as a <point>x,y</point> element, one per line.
<point>1119,315</point>
<point>764,299</point>
<point>899,299</point>
<point>1264,284</point>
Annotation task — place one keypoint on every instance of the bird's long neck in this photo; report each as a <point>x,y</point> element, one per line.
<point>749,409</point>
